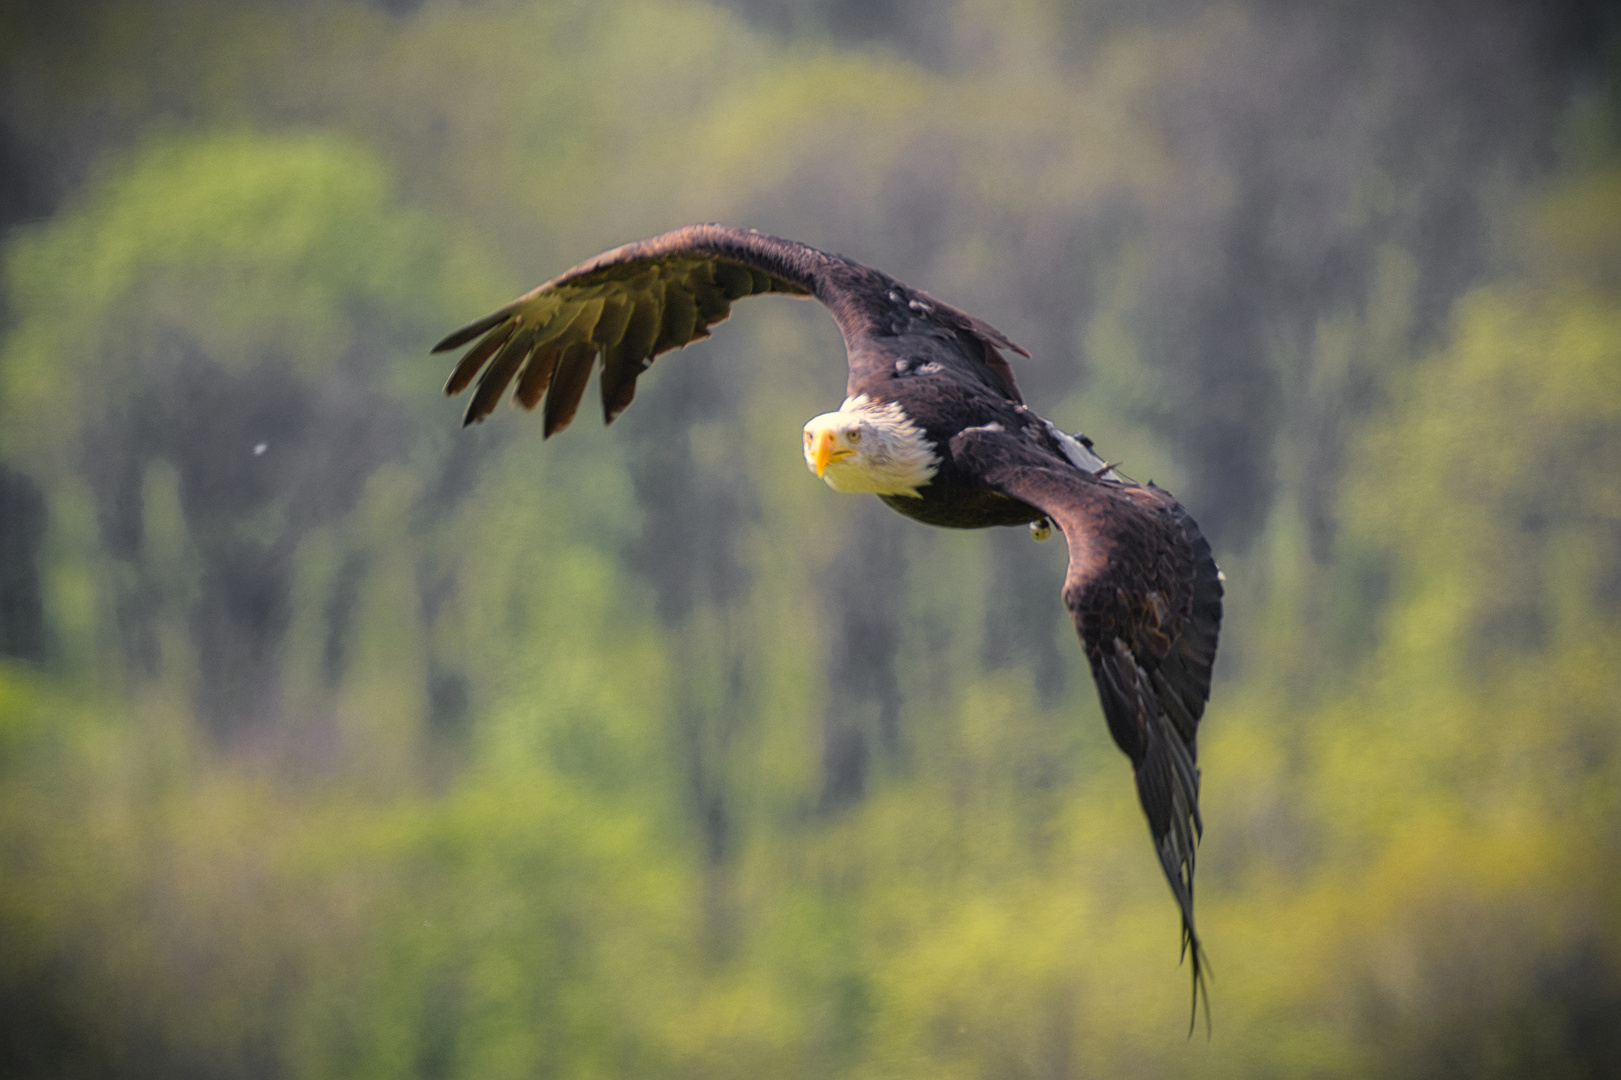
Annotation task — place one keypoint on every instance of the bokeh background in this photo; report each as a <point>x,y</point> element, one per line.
<point>338,741</point>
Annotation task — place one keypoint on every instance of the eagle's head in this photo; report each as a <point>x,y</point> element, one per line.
<point>870,447</point>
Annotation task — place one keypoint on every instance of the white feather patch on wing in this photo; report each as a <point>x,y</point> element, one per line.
<point>1077,452</point>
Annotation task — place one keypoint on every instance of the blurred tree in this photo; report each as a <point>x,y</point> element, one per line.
<point>202,355</point>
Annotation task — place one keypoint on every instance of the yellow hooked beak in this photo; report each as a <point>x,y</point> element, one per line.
<point>827,451</point>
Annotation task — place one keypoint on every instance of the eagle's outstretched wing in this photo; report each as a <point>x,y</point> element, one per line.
<point>1145,595</point>
<point>630,304</point>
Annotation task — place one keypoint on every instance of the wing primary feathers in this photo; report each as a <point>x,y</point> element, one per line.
<point>499,374</point>
<point>568,386</point>
<point>680,316</point>
<point>461,337</point>
<point>611,323</point>
<point>1186,726</point>
<point>463,373</point>
<point>1168,789</point>
<point>537,373</point>
<point>626,359</point>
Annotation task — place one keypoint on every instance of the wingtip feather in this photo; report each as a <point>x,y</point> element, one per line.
<point>457,338</point>
<point>1201,973</point>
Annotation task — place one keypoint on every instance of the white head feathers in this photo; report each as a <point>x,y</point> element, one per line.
<point>870,447</point>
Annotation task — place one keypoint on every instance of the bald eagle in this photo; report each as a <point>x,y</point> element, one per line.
<point>934,425</point>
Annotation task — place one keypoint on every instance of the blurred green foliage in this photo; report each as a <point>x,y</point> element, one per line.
<point>365,746</point>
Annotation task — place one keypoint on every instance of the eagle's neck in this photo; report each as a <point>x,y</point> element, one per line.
<point>896,458</point>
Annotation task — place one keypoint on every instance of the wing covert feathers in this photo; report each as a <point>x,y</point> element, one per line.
<point>630,305</point>
<point>1145,596</point>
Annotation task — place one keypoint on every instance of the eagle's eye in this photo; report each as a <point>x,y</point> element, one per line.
<point>855,435</point>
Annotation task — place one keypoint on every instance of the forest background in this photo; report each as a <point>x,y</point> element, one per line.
<point>338,741</point>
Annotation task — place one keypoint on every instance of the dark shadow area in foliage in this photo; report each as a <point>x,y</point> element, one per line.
<point>864,593</point>
<point>1556,1020</point>
<point>1024,613</point>
<point>693,516</point>
<point>22,530</point>
<point>261,456</point>
<point>43,1029</point>
<point>25,195</point>
<point>26,191</point>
